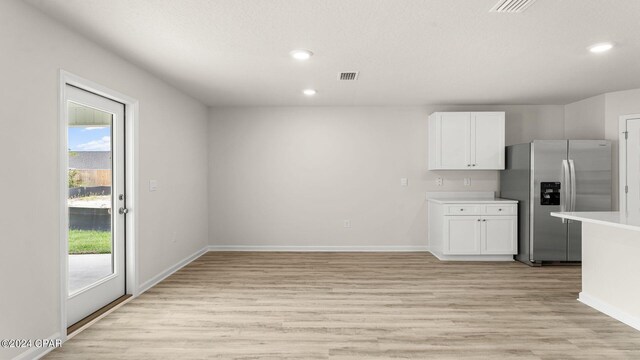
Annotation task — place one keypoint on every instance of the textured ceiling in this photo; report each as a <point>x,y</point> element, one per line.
<point>409,52</point>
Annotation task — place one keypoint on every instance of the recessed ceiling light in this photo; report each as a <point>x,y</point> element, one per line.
<point>301,54</point>
<point>601,47</point>
<point>309,92</point>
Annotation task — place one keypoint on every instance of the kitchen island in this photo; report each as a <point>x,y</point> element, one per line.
<point>610,266</point>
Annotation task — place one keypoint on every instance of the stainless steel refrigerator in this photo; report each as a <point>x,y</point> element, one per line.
<point>555,175</point>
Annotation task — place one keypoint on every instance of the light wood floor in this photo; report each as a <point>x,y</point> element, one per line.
<point>356,306</point>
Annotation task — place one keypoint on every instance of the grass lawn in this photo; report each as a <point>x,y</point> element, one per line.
<point>89,242</point>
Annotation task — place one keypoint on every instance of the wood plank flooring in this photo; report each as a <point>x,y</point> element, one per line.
<point>356,306</point>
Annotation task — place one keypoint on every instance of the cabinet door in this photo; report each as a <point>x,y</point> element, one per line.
<point>462,235</point>
<point>453,133</point>
<point>487,140</point>
<point>499,235</point>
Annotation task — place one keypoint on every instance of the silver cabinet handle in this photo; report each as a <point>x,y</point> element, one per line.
<point>478,219</point>
<point>484,220</point>
<point>499,209</point>
<point>123,211</point>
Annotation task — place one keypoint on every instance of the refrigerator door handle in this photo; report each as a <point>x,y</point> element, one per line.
<point>565,202</point>
<point>572,168</point>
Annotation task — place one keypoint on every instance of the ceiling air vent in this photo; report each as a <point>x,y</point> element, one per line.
<point>351,75</point>
<point>511,6</point>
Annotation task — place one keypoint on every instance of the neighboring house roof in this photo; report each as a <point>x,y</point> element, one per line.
<point>90,160</point>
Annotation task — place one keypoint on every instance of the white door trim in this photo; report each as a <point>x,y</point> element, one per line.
<point>622,165</point>
<point>131,168</point>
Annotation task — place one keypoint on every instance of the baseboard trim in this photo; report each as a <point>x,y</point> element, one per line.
<point>318,248</point>
<point>168,272</point>
<point>38,352</point>
<point>471,257</point>
<point>610,310</point>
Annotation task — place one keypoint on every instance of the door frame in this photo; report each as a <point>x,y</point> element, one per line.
<point>622,164</point>
<point>131,184</point>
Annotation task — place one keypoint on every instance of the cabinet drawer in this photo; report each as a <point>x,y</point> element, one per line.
<point>464,209</point>
<point>500,209</point>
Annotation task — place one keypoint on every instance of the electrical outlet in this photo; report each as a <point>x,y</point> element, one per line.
<point>467,181</point>
<point>439,181</point>
<point>153,185</point>
<point>347,223</point>
<point>404,182</point>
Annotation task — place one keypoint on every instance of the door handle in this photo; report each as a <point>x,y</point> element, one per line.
<point>565,183</point>
<point>572,168</point>
<point>123,211</point>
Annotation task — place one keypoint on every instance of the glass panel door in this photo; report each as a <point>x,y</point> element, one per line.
<point>96,227</point>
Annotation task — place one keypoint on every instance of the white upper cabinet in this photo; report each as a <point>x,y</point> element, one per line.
<point>466,141</point>
<point>487,140</point>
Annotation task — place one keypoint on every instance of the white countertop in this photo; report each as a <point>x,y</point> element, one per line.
<point>611,218</point>
<point>462,200</point>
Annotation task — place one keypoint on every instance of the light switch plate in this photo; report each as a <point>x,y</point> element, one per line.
<point>467,181</point>
<point>153,185</point>
<point>404,182</point>
<point>439,181</point>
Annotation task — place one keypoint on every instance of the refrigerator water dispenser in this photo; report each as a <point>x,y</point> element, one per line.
<point>549,193</point>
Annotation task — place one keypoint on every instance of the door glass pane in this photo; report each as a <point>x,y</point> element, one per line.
<point>90,197</point>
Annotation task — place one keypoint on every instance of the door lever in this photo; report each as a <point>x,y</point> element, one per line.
<point>123,211</point>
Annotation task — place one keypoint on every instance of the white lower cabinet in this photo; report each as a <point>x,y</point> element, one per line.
<point>471,231</point>
<point>463,235</point>
<point>498,235</point>
<point>466,235</point>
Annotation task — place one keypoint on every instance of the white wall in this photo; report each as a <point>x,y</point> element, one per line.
<point>598,118</point>
<point>173,150</point>
<point>289,176</point>
<point>617,104</point>
<point>585,119</point>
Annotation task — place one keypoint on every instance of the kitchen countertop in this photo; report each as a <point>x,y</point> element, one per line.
<point>462,200</point>
<point>611,218</point>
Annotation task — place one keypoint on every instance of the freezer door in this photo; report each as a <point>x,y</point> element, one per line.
<point>590,162</point>
<point>549,234</point>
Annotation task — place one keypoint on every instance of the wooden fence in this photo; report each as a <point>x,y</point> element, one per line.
<point>93,177</point>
